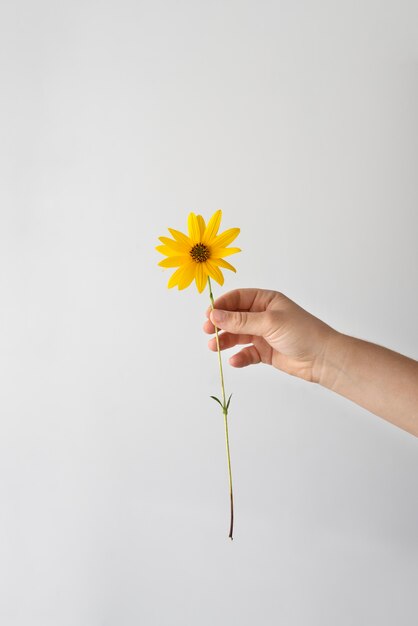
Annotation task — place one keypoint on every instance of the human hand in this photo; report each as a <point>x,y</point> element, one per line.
<point>280,332</point>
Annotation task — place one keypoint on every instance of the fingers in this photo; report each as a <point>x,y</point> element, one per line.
<point>246,356</point>
<point>242,322</point>
<point>244,300</point>
<point>236,300</point>
<point>208,327</point>
<point>227,340</point>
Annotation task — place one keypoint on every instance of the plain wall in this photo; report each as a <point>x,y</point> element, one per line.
<point>299,120</point>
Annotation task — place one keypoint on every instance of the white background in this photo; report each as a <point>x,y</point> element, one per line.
<point>299,120</point>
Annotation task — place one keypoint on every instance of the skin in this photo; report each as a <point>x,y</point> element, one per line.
<point>278,332</point>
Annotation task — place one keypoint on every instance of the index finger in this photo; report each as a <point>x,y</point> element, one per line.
<point>250,299</point>
<point>235,300</point>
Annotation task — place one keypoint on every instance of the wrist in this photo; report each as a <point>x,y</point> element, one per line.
<point>333,360</point>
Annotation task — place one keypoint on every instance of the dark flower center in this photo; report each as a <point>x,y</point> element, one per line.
<point>200,253</point>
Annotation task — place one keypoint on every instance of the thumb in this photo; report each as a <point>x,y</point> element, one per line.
<point>241,322</point>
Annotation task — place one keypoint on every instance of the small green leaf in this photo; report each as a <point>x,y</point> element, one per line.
<point>229,400</point>
<point>218,401</point>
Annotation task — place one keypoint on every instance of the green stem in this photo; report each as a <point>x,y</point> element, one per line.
<point>225,413</point>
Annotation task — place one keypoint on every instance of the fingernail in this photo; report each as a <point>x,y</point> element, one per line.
<point>218,316</point>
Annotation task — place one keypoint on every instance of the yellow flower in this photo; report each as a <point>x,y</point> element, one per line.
<point>200,254</point>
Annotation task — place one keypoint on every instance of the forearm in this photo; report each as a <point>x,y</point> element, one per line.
<point>380,380</point>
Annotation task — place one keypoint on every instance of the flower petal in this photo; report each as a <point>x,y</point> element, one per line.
<point>174,279</point>
<point>201,277</point>
<point>194,229</point>
<point>225,238</point>
<point>224,264</point>
<point>180,237</point>
<point>175,245</point>
<point>167,251</point>
<point>212,227</point>
<point>202,226</point>
<point>217,253</point>
<point>214,272</point>
<point>174,261</point>
<point>187,276</point>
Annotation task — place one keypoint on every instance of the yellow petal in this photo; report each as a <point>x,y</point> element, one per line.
<point>174,279</point>
<point>217,253</point>
<point>212,227</point>
<point>224,264</point>
<point>174,261</point>
<point>202,226</point>
<point>194,230</point>
<point>214,272</point>
<point>175,245</point>
<point>167,251</point>
<point>180,237</point>
<point>201,277</point>
<point>225,238</point>
<point>187,276</point>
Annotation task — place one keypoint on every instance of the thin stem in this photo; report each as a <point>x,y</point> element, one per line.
<point>225,413</point>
